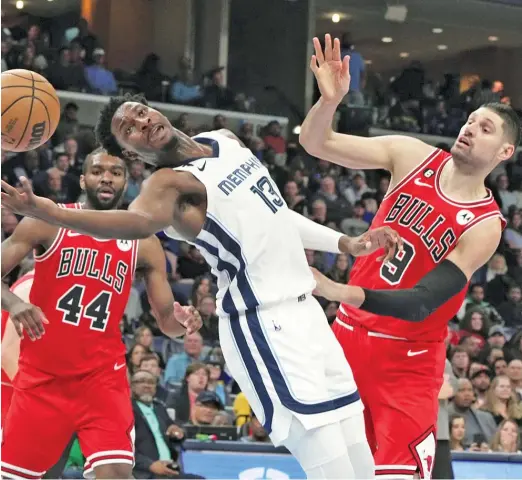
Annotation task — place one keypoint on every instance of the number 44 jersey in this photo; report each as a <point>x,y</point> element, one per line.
<point>82,285</point>
<point>430,224</point>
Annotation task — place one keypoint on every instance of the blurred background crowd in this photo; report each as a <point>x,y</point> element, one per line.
<point>186,380</point>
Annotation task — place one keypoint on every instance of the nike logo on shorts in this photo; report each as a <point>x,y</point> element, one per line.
<point>119,366</point>
<point>418,182</point>
<point>413,354</point>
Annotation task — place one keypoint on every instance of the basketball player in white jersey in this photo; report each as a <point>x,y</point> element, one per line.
<point>274,335</point>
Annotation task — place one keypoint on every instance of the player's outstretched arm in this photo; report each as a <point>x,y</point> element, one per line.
<point>318,138</point>
<point>150,212</point>
<point>173,319</point>
<point>433,290</point>
<point>324,239</point>
<point>27,235</point>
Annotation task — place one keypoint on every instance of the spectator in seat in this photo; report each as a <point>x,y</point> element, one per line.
<point>384,185</point>
<point>515,270</point>
<point>293,199</point>
<point>183,89</point>
<point>217,95</point>
<point>194,382</point>
<point>513,232</point>
<point>207,408</point>
<point>257,434</point>
<point>507,197</point>
<point>514,372</point>
<point>68,73</point>
<point>481,380</point>
<point>136,179</point>
<point>219,122</point>
<point>340,272</point>
<point>477,421</point>
<point>143,336</point>
<point>457,427</point>
<point>496,337</point>
<point>511,309</point>
<point>475,322</point>
<point>149,78</point>
<point>177,364</point>
<point>192,265</point>
<point>150,363</point>
<point>472,344</point>
<point>494,354</point>
<point>210,328</point>
<point>157,436</point>
<point>460,362</point>
<point>357,71</point>
<point>134,356</point>
<point>100,79</point>
<point>507,438</point>
<point>500,367</point>
<point>9,53</point>
<point>68,125</point>
<point>337,207</point>
<point>475,298</point>
<point>358,188</point>
<point>278,173</point>
<point>200,288</point>
<point>246,133</point>
<point>502,402</point>
<point>273,137</point>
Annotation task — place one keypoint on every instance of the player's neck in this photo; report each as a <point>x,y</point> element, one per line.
<point>462,184</point>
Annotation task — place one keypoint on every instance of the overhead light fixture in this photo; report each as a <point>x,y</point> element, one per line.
<point>336,18</point>
<point>19,4</point>
<point>437,30</point>
<point>368,62</point>
<point>297,130</point>
<point>387,39</point>
<point>493,38</point>
<point>442,47</point>
<point>404,54</point>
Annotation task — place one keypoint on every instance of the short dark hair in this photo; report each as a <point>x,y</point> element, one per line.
<point>88,160</point>
<point>512,127</point>
<point>102,130</point>
<point>149,356</point>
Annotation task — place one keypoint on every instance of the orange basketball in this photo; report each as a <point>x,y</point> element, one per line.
<point>30,110</point>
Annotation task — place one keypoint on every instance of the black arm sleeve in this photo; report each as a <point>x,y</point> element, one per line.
<point>417,303</point>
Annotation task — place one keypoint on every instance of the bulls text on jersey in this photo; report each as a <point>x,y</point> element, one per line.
<point>80,262</point>
<point>417,215</point>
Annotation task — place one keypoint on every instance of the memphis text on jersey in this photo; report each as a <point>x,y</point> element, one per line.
<point>90,263</point>
<point>239,175</point>
<point>417,215</point>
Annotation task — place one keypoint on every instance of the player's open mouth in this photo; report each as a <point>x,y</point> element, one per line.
<point>463,141</point>
<point>106,193</point>
<point>156,132</point>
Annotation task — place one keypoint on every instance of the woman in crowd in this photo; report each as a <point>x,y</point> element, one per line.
<point>457,433</point>
<point>195,381</point>
<point>134,356</point>
<point>506,438</point>
<point>502,402</point>
<point>200,289</point>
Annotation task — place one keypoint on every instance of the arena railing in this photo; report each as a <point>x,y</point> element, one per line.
<point>90,105</point>
<point>244,460</point>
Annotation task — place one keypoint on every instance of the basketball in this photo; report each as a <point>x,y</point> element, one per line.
<point>30,110</point>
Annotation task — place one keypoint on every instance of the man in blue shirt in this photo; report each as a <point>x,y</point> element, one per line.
<point>178,363</point>
<point>357,71</point>
<point>100,79</point>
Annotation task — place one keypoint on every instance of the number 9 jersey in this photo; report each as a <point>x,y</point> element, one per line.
<point>82,285</point>
<point>430,224</point>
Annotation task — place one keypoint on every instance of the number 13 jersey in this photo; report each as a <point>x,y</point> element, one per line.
<point>248,238</point>
<point>430,224</point>
<point>82,285</point>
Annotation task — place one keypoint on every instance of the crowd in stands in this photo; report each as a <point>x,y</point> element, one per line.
<point>184,382</point>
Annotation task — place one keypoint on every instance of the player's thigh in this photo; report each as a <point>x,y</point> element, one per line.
<point>37,429</point>
<point>105,422</point>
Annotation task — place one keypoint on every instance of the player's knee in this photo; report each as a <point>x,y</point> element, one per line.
<point>113,470</point>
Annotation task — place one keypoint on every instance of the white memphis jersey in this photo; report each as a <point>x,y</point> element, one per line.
<point>248,239</point>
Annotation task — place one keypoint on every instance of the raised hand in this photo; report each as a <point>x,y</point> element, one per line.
<point>331,72</point>
<point>25,203</point>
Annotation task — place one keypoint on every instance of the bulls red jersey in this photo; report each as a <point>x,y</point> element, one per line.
<point>82,285</point>
<point>430,225</point>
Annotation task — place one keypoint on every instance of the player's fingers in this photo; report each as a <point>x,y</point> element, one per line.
<point>27,323</point>
<point>18,327</point>
<point>390,251</point>
<point>26,185</point>
<point>327,47</point>
<point>336,53</point>
<point>313,64</point>
<point>345,69</point>
<point>318,51</point>
<point>9,189</point>
<point>38,317</point>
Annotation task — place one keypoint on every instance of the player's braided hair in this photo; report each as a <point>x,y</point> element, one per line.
<point>103,132</point>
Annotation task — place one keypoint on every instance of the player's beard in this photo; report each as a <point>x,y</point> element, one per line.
<point>97,204</point>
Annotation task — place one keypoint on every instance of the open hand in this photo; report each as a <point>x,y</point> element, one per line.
<point>375,239</point>
<point>25,203</point>
<point>189,317</point>
<point>331,72</point>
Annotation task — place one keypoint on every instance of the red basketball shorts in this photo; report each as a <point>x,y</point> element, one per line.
<point>399,383</point>
<point>7,395</point>
<point>47,410</point>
